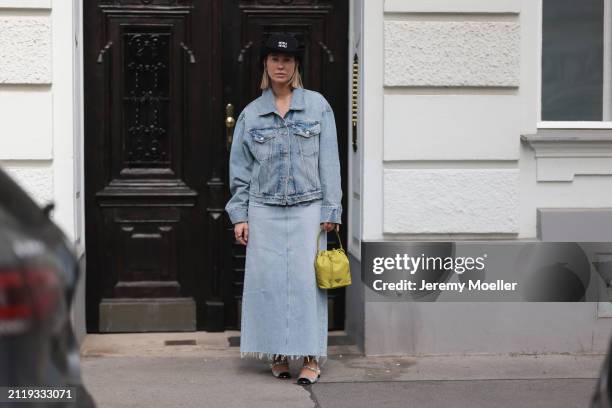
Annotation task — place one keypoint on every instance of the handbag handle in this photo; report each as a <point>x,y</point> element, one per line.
<point>338,235</point>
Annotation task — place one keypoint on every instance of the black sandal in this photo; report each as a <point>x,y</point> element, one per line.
<point>278,362</point>
<point>307,380</point>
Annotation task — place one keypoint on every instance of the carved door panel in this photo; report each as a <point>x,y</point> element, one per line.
<point>321,26</point>
<point>153,198</point>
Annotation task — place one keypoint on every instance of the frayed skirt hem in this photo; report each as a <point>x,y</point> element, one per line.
<point>320,359</point>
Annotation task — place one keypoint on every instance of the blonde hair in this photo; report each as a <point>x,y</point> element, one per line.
<point>295,81</point>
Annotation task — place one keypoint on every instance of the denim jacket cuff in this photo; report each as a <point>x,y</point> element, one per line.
<point>237,214</point>
<point>331,214</point>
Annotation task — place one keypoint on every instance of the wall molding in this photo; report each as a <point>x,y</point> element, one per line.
<point>562,154</point>
<point>452,6</point>
<point>25,4</point>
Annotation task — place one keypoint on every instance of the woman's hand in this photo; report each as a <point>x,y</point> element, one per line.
<point>241,232</point>
<point>329,226</point>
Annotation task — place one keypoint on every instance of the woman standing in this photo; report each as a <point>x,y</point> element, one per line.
<point>285,186</point>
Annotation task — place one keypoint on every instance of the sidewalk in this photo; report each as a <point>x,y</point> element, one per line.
<point>138,370</point>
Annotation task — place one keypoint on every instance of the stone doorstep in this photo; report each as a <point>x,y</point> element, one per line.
<point>346,363</point>
<point>172,344</point>
<point>145,315</point>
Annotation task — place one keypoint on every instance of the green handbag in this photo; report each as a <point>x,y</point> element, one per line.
<point>332,266</point>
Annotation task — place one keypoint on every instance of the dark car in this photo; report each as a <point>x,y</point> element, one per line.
<point>38,277</point>
<point>603,391</point>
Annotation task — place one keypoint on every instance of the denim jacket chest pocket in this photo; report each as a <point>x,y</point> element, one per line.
<point>307,133</point>
<point>262,142</point>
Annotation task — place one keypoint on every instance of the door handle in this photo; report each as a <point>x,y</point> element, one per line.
<point>230,122</point>
<point>330,55</point>
<point>243,51</point>
<point>189,52</point>
<point>103,51</point>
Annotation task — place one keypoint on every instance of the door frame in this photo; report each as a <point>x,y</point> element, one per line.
<point>89,228</point>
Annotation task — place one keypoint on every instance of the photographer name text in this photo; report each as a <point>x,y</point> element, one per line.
<point>423,285</point>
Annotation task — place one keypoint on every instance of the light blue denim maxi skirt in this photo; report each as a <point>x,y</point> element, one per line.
<point>283,309</point>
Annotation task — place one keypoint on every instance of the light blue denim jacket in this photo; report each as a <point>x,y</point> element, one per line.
<point>288,160</point>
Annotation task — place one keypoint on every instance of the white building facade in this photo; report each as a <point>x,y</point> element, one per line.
<point>41,97</point>
<point>452,144</point>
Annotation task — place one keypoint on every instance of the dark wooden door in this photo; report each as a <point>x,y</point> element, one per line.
<point>159,74</point>
<point>154,201</point>
<point>321,26</point>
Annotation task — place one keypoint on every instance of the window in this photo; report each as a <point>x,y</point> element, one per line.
<point>576,69</point>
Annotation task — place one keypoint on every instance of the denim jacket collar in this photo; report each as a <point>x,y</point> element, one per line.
<point>267,104</point>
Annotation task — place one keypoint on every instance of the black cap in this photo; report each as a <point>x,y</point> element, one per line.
<point>283,43</point>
